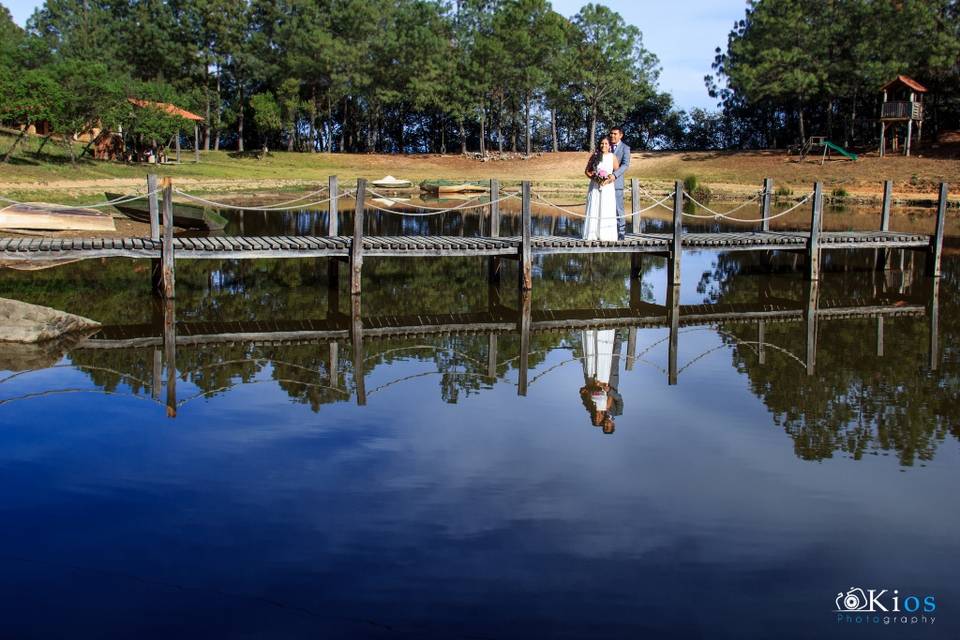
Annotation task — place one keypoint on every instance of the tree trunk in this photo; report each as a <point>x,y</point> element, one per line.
<point>463,137</point>
<point>216,128</point>
<point>526,121</point>
<point>514,117</point>
<point>73,156</point>
<point>206,96</point>
<point>483,134</point>
<point>23,133</point>
<point>240,119</point>
<point>553,130</point>
<point>593,128</point>
<point>803,129</point>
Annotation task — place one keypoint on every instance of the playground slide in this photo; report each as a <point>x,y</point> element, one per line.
<point>839,149</point>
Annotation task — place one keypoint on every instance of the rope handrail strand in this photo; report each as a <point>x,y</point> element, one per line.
<point>716,215</point>
<point>276,206</point>
<point>471,202</point>
<point>577,214</point>
<point>433,212</point>
<point>223,205</point>
<point>109,203</point>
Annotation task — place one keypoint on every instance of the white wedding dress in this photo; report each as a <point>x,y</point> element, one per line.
<point>598,358</point>
<point>601,217</point>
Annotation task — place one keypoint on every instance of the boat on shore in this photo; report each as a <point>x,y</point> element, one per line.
<point>49,217</point>
<point>186,216</point>
<point>389,182</point>
<point>450,186</point>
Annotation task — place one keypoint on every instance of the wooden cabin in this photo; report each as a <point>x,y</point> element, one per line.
<point>902,106</point>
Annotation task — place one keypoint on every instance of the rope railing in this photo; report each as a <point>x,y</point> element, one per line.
<point>577,214</point>
<point>714,215</point>
<point>109,203</point>
<point>434,211</point>
<point>225,205</point>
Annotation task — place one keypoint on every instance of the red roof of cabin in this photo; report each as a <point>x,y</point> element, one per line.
<point>169,108</point>
<point>908,81</point>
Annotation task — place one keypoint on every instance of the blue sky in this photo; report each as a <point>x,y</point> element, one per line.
<point>683,34</point>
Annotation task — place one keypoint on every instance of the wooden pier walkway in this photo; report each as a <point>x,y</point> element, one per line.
<point>165,249</point>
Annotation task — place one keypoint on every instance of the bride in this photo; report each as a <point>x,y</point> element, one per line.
<point>601,214</point>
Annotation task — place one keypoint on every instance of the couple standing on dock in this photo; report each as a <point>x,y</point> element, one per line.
<point>606,167</point>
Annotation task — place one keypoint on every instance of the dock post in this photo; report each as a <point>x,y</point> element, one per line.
<point>493,263</point>
<point>526,254</point>
<point>525,310</point>
<point>816,222</point>
<point>933,310</point>
<point>333,366</point>
<point>333,229</point>
<point>765,204</point>
<point>883,255</point>
<point>492,356</point>
<point>157,374</point>
<point>936,243</point>
<point>673,306</point>
<point>631,348</point>
<point>880,337</point>
<point>813,294</point>
<point>153,203</point>
<point>761,341</point>
<point>356,336</point>
<point>356,247</point>
<point>167,271</point>
<point>676,246</point>
<point>170,354</point>
<point>636,259</point>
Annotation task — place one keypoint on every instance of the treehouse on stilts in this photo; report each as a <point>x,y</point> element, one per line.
<point>902,106</point>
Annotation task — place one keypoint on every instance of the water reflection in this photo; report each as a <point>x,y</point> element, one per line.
<point>851,366</point>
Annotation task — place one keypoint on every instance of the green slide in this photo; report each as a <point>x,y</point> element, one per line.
<point>839,149</point>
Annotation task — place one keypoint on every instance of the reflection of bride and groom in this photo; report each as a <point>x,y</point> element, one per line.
<point>601,376</point>
<point>606,167</point>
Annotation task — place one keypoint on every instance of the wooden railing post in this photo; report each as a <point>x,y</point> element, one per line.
<point>813,293</point>
<point>356,336</point>
<point>493,263</point>
<point>761,342</point>
<point>356,247</point>
<point>492,356</point>
<point>816,222</point>
<point>673,307</point>
<point>333,208</point>
<point>676,245</point>
<point>936,243</point>
<point>636,259</point>
<point>765,204</point>
<point>526,253</point>
<point>168,273</point>
<point>170,354</point>
<point>153,205</point>
<point>883,255</point>
<point>524,364</point>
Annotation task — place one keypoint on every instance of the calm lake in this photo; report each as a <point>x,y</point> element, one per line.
<point>446,459</point>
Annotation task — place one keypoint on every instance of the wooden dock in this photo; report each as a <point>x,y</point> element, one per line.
<point>164,249</point>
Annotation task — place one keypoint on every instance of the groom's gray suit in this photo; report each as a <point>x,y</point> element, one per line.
<point>622,153</point>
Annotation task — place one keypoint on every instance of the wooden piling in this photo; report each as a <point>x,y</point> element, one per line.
<point>636,259</point>
<point>880,337</point>
<point>157,374</point>
<point>816,223</point>
<point>525,321</point>
<point>883,255</point>
<point>494,263</point>
<point>676,246</point>
<point>673,304</point>
<point>936,243</point>
<point>356,336</point>
<point>526,254</point>
<point>933,311</point>
<point>631,348</point>
<point>765,204</point>
<point>167,270</point>
<point>356,247</point>
<point>813,294</point>
<point>153,204</point>
<point>492,356</point>
<point>333,208</point>
<point>333,365</point>
<point>761,342</point>
<point>170,354</point>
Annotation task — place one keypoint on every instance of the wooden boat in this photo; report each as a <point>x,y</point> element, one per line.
<point>185,216</point>
<point>50,217</point>
<point>449,186</point>
<point>389,182</point>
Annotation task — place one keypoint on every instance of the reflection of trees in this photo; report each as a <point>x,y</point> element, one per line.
<point>856,403</point>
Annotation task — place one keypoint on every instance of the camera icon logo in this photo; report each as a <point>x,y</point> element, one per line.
<point>854,600</point>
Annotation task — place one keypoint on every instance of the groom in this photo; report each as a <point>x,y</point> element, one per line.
<point>622,153</point>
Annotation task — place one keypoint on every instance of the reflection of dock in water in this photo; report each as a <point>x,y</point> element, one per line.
<point>500,319</point>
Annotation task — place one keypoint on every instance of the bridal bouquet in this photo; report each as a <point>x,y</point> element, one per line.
<point>600,176</point>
